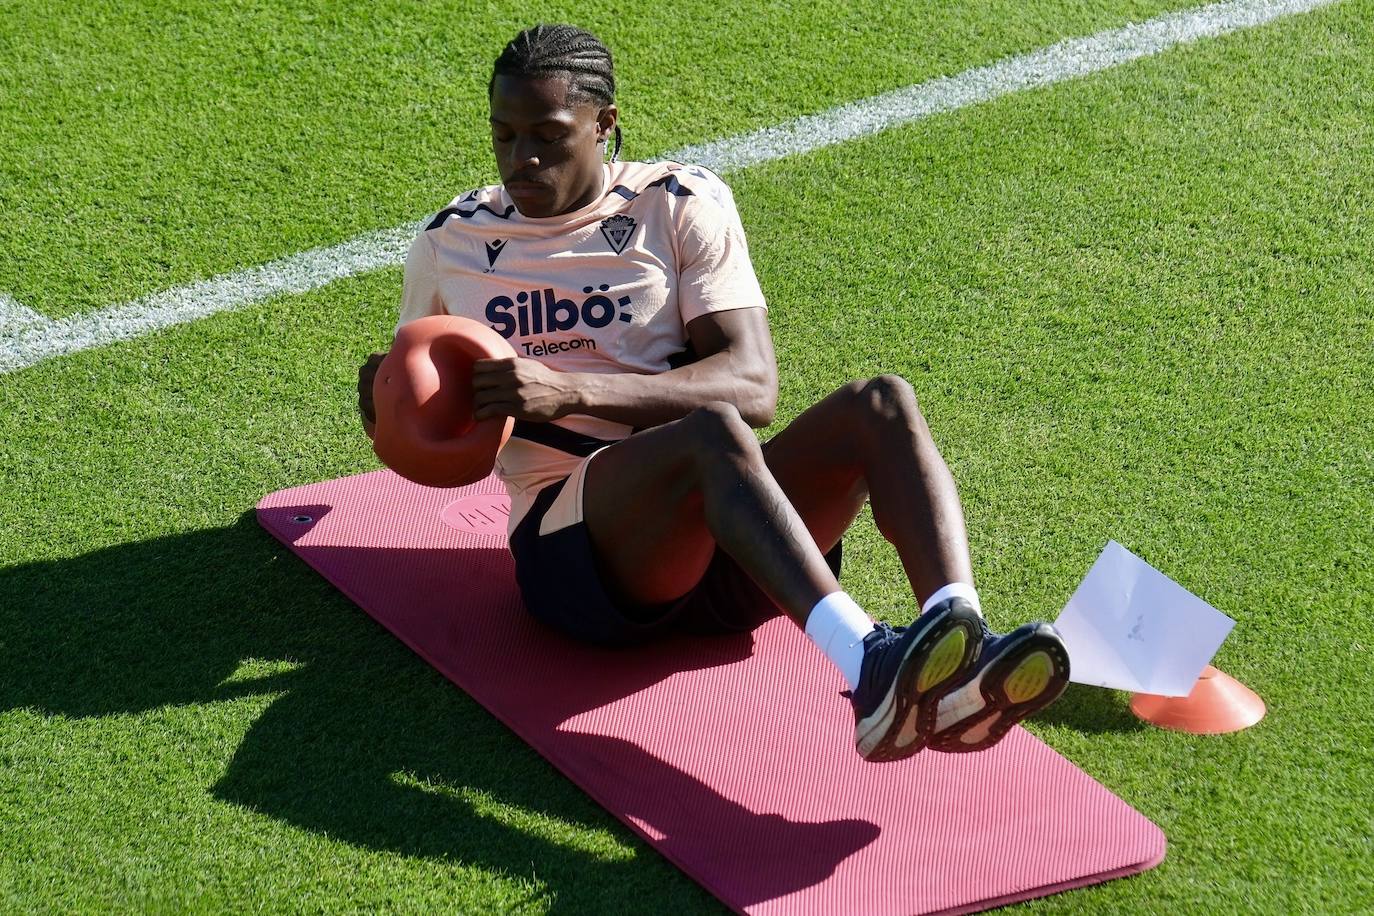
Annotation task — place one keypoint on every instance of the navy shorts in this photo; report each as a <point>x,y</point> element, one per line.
<point>564,589</point>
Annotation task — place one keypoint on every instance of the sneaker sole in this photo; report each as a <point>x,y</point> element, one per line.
<point>1030,675</point>
<point>902,723</point>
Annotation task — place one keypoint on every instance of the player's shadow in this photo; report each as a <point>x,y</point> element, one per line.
<point>366,743</point>
<point>1091,711</point>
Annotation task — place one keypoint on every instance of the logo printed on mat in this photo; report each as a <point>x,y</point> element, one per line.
<point>485,513</point>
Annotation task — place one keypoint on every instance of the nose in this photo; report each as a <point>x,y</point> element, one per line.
<point>524,154</point>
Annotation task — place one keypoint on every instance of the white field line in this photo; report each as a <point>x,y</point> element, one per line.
<point>14,315</point>
<point>27,338</point>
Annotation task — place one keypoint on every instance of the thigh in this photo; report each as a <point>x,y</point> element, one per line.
<point>561,583</point>
<point>643,509</point>
<point>816,460</point>
<point>643,512</point>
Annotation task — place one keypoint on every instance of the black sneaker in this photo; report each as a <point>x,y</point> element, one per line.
<point>905,666</point>
<point>1017,674</point>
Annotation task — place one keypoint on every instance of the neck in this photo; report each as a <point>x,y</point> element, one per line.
<point>593,191</point>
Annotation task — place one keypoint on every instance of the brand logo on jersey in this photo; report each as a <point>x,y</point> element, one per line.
<point>550,347</point>
<point>538,311</point>
<point>617,230</point>
<point>494,249</point>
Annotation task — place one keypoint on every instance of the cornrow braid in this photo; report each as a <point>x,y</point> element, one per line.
<point>547,49</point>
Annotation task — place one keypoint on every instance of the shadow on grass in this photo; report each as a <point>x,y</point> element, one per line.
<point>1091,711</point>
<point>367,744</point>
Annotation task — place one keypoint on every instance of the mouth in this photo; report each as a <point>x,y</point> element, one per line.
<point>526,188</point>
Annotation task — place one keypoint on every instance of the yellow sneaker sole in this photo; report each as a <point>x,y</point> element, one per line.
<point>1030,678</point>
<point>944,659</point>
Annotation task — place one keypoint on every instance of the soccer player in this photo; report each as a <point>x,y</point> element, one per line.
<point>641,498</point>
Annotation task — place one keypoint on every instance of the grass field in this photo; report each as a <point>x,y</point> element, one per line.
<point>1136,306</point>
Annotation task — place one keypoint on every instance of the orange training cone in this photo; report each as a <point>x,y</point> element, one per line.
<point>1218,703</point>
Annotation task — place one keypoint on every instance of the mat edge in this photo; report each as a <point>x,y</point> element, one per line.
<point>1050,890</point>
<point>1088,880</point>
<point>648,840</point>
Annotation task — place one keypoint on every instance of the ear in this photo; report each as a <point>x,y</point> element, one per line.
<point>606,120</point>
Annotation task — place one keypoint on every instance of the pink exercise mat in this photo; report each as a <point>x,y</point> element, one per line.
<point>732,756</point>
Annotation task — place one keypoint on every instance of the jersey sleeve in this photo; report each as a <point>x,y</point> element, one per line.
<point>420,288</point>
<point>715,273</point>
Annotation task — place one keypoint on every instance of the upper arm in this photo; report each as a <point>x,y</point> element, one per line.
<point>719,297</point>
<point>420,289</point>
<point>743,336</point>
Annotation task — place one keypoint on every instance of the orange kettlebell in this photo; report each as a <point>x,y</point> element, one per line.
<point>423,399</point>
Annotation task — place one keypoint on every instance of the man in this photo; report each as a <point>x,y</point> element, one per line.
<point>641,498</point>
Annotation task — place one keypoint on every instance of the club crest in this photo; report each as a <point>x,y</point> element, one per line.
<point>617,230</point>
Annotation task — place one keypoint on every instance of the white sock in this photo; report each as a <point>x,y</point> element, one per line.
<point>954,590</point>
<point>837,626</point>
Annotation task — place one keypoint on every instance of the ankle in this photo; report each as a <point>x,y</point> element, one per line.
<point>963,590</point>
<point>837,625</point>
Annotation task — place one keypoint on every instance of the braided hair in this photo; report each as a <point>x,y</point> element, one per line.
<point>548,49</point>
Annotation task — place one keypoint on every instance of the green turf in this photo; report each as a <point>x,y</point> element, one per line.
<point>1134,307</point>
<point>150,144</point>
<point>1142,312</point>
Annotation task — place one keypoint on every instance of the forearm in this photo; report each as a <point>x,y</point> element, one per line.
<point>649,400</point>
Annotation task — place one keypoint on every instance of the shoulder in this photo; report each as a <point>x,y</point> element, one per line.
<point>673,183</point>
<point>479,205</point>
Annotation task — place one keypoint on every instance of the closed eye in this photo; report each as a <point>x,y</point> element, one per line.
<point>548,133</point>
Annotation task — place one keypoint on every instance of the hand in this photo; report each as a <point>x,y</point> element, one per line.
<point>367,372</point>
<point>522,388</point>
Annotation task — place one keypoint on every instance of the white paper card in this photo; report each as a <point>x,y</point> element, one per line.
<point>1131,627</point>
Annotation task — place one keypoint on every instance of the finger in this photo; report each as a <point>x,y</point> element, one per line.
<point>493,379</point>
<point>495,409</point>
<point>482,399</point>
<point>492,365</point>
<point>489,397</point>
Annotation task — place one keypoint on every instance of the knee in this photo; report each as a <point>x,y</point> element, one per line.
<point>717,429</point>
<point>888,398</point>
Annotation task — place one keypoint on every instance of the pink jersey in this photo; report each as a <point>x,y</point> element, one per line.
<point>607,288</point>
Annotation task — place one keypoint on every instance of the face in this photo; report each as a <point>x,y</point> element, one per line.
<point>546,143</point>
